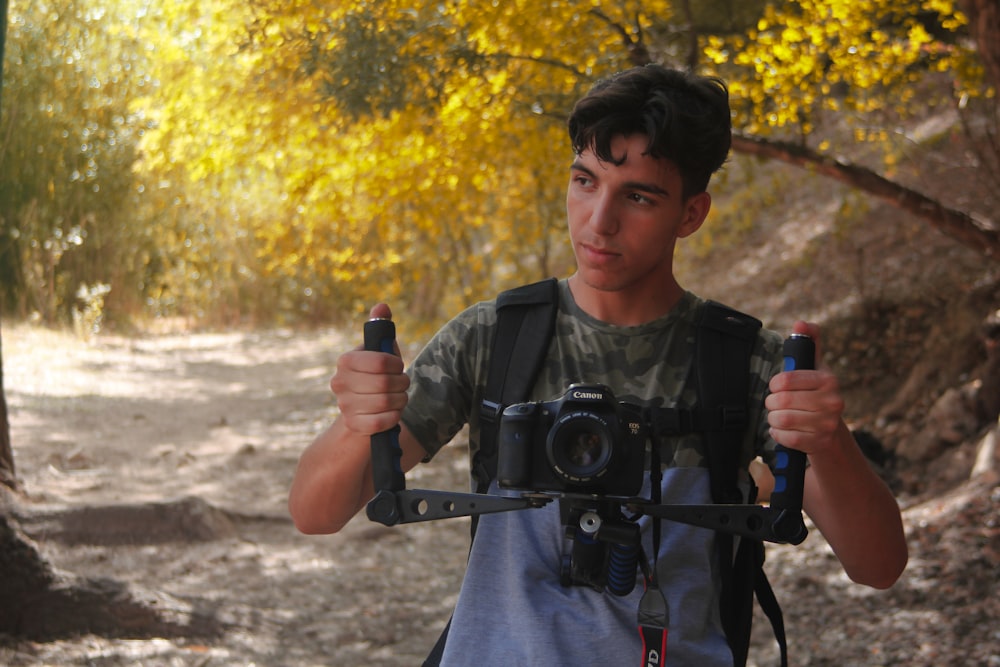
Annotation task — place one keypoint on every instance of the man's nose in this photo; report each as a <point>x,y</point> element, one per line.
<point>604,215</point>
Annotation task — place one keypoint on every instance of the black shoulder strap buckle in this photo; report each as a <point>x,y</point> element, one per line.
<point>733,417</point>
<point>489,412</point>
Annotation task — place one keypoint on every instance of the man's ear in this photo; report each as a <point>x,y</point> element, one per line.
<point>696,209</point>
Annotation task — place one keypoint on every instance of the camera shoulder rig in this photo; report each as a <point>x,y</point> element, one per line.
<point>525,324</point>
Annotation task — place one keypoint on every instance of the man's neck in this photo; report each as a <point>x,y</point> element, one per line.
<point>627,307</point>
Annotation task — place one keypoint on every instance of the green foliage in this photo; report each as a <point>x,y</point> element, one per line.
<point>88,318</point>
<point>67,200</point>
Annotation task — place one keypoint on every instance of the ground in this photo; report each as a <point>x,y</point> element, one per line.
<point>163,461</point>
<point>223,417</point>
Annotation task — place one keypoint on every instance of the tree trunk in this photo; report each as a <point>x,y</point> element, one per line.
<point>40,603</point>
<point>984,28</point>
<point>7,475</point>
<point>958,225</point>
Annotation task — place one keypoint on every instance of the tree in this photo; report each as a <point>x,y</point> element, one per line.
<point>984,27</point>
<point>68,227</point>
<point>7,473</point>
<point>300,160</point>
<point>391,188</point>
<point>806,63</point>
<point>409,151</point>
<point>36,600</point>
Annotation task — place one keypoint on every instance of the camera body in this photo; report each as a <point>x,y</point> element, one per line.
<point>582,442</point>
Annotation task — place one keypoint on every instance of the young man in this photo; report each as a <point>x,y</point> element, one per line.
<point>645,144</point>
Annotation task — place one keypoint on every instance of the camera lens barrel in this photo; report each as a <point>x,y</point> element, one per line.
<point>580,447</point>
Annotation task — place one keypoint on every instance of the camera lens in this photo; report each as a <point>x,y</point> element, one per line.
<point>583,448</point>
<point>579,447</point>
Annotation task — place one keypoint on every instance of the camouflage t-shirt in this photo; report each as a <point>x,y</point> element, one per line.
<point>512,609</point>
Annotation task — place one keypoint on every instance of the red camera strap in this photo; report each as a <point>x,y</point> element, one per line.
<point>653,621</point>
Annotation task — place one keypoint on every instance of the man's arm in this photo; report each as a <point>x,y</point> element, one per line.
<point>849,503</point>
<point>333,480</point>
<point>856,513</point>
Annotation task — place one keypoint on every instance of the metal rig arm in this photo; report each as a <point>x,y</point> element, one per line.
<point>769,524</point>
<point>412,505</point>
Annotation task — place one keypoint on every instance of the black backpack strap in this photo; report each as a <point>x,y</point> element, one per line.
<point>437,653</point>
<point>722,361</point>
<point>769,604</point>
<point>526,319</point>
<point>750,578</point>
<point>724,346</point>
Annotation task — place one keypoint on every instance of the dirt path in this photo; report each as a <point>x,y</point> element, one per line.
<point>223,418</point>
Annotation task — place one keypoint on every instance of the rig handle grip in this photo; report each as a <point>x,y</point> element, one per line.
<point>387,472</point>
<point>790,464</point>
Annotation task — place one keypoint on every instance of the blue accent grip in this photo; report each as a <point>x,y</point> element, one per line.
<point>790,464</point>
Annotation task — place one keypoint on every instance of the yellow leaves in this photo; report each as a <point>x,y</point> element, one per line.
<point>952,18</point>
<point>871,134</point>
<point>791,35</point>
<point>802,58</point>
<point>780,52</point>
<point>450,166</point>
<point>716,50</point>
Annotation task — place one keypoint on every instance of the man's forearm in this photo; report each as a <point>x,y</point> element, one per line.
<point>856,512</point>
<point>332,481</point>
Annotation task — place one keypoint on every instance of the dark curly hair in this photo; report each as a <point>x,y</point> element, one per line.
<point>685,117</point>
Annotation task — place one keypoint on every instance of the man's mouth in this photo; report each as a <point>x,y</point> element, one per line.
<point>599,252</point>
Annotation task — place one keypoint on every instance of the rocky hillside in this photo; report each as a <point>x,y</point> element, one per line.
<point>912,327</point>
<point>910,317</point>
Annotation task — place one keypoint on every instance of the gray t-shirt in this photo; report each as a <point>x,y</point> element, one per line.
<point>512,609</point>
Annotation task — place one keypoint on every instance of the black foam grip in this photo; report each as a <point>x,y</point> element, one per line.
<point>387,471</point>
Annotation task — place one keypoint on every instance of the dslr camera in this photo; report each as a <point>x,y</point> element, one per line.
<point>582,442</point>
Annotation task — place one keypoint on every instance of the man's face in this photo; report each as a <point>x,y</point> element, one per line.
<point>624,220</point>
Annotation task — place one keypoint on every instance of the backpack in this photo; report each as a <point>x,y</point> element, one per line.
<point>525,324</point>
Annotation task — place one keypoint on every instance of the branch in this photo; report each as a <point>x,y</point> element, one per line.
<point>692,36</point>
<point>637,51</point>
<point>549,62</point>
<point>956,224</point>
